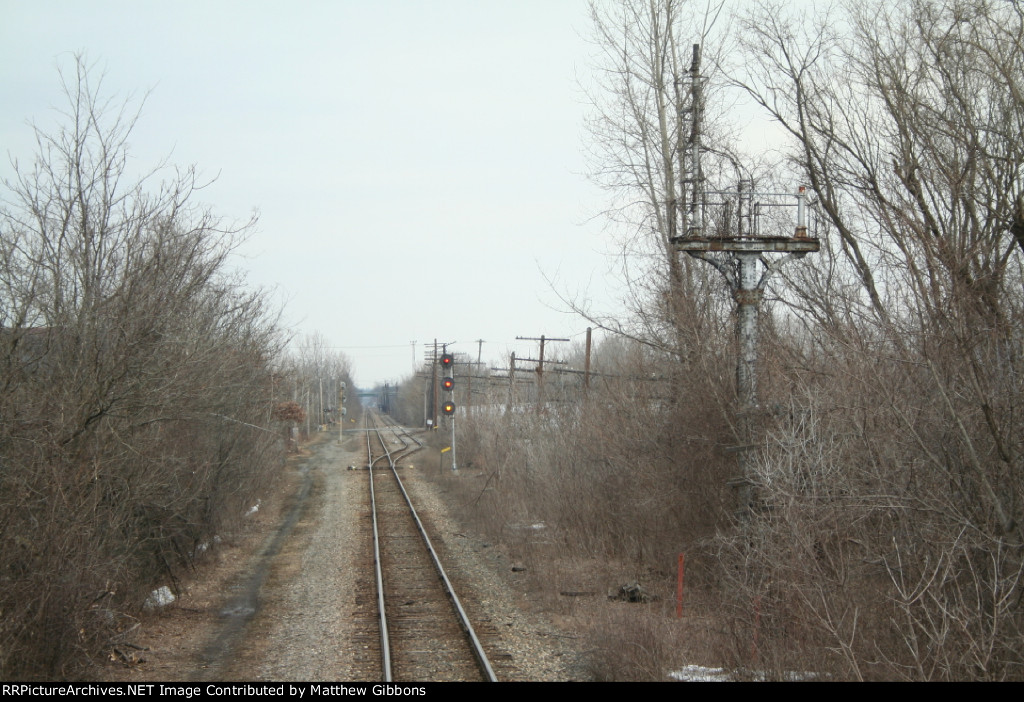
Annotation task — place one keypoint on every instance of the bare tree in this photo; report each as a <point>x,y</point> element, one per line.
<point>319,377</point>
<point>134,422</point>
<point>907,128</point>
<point>642,131</point>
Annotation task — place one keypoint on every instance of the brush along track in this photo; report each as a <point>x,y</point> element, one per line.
<point>425,634</point>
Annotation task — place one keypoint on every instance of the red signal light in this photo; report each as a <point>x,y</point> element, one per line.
<point>447,360</point>
<point>447,383</point>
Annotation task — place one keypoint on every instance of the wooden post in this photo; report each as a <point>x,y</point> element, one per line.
<point>586,364</point>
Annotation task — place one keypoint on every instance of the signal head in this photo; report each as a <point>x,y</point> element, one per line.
<point>447,360</point>
<point>448,408</point>
<point>448,383</point>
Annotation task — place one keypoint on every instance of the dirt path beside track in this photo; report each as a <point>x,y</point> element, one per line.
<point>276,602</point>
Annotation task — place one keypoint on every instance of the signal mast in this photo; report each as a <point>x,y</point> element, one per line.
<point>745,258</point>
<point>447,362</point>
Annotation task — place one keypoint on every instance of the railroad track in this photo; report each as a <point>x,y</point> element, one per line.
<point>424,633</point>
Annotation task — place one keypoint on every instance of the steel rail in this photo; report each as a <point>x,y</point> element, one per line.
<point>463,617</point>
<point>385,644</point>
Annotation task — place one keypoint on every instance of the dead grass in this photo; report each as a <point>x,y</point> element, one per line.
<point>572,553</point>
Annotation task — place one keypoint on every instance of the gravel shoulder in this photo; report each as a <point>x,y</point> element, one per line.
<point>276,600</point>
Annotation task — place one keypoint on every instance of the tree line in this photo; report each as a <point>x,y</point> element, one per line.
<point>886,541</point>
<point>142,386</point>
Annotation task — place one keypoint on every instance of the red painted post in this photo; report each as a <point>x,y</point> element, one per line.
<point>757,624</point>
<point>679,588</point>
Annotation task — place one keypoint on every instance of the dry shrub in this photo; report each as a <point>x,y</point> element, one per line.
<point>886,537</point>
<point>636,644</point>
<point>623,473</point>
<point>876,553</point>
<point>597,489</point>
<point>136,392</point>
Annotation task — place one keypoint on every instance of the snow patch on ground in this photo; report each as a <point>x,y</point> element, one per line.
<point>161,597</point>
<point>698,673</point>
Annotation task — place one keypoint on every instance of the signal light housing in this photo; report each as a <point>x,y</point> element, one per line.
<point>448,408</point>
<point>447,360</point>
<point>448,383</point>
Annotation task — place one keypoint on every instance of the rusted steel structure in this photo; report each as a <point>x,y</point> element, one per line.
<point>744,255</point>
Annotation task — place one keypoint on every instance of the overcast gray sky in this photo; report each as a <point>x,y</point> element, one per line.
<point>418,167</point>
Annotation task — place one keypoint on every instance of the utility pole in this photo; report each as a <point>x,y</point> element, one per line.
<point>511,381</point>
<point>540,364</point>
<point>433,387</point>
<point>739,257</point>
<point>309,411</point>
<point>426,392</point>
<point>341,410</point>
<point>510,375</point>
<point>586,364</point>
<point>469,382</point>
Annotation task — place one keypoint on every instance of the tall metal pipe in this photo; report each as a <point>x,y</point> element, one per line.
<point>696,220</point>
<point>748,301</point>
<point>801,222</point>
